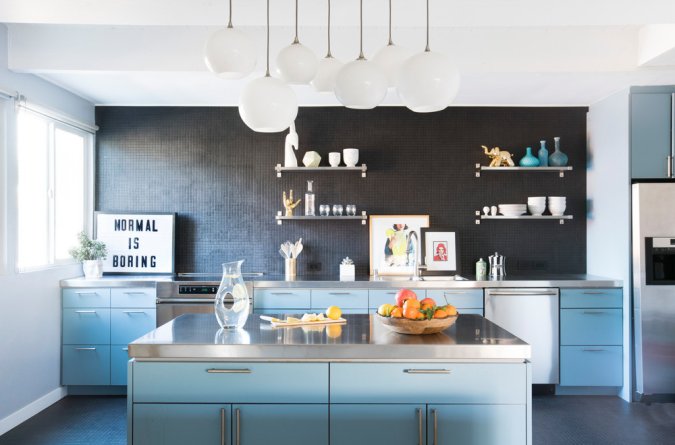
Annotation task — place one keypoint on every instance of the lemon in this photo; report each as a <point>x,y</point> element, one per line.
<point>385,309</point>
<point>333,312</point>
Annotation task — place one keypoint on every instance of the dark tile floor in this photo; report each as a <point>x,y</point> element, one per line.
<point>564,420</point>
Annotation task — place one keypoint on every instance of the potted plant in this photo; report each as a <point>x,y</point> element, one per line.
<point>91,253</point>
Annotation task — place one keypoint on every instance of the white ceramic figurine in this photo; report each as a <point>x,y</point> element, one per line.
<point>292,143</point>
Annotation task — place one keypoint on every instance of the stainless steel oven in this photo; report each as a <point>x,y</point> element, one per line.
<point>189,295</point>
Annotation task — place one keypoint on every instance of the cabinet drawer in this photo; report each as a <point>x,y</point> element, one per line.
<point>231,382</point>
<point>381,296</point>
<point>416,383</point>
<point>282,299</point>
<point>86,326</point>
<point>580,298</point>
<point>126,325</point>
<point>85,365</point>
<point>591,366</point>
<point>457,297</point>
<point>591,327</point>
<point>134,297</point>
<point>323,298</point>
<point>119,359</point>
<point>79,297</point>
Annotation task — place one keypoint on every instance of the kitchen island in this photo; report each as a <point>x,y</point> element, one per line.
<point>357,383</point>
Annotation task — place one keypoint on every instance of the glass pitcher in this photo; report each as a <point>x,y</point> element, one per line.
<point>232,300</point>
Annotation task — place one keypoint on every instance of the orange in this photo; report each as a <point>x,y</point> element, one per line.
<point>440,313</point>
<point>411,304</point>
<point>427,306</point>
<point>428,301</point>
<point>450,309</point>
<point>397,312</point>
<point>411,312</point>
<point>421,316</point>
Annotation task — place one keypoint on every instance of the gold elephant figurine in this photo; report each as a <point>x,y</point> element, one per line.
<point>289,205</point>
<point>499,157</point>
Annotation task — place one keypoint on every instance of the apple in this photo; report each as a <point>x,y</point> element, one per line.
<point>403,295</point>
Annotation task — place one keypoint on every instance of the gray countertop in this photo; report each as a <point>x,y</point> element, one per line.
<point>362,338</point>
<point>366,282</point>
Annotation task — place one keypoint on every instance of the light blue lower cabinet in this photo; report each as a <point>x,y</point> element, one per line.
<point>591,365</point>
<point>181,424</point>
<point>467,311</point>
<point>476,424</point>
<point>85,365</point>
<point>368,424</point>
<point>119,359</point>
<point>279,424</point>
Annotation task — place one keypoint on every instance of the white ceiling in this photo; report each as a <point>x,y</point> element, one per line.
<point>510,52</point>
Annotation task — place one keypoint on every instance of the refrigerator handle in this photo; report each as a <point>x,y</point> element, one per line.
<point>672,135</point>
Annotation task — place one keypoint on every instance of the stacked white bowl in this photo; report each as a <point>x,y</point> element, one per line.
<point>536,205</point>
<point>557,205</point>
<point>512,209</point>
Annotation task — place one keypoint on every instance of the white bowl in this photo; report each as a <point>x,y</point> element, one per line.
<point>513,206</point>
<point>512,212</point>
<point>536,198</point>
<point>541,201</point>
<point>554,198</point>
<point>350,156</point>
<point>536,210</point>
<point>556,210</point>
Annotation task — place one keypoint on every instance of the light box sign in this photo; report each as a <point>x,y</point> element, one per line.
<point>137,243</point>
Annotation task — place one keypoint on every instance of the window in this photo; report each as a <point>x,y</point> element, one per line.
<point>53,190</point>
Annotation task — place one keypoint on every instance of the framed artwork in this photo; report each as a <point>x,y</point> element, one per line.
<point>439,250</point>
<point>141,243</point>
<point>392,250</point>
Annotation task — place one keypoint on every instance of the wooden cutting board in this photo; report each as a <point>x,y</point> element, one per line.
<point>278,323</point>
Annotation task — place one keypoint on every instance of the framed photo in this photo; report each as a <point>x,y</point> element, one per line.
<point>140,243</point>
<point>392,251</point>
<point>439,250</point>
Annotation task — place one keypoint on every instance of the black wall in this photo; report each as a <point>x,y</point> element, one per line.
<point>218,176</point>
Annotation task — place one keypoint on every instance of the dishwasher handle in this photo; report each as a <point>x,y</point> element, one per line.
<point>527,292</point>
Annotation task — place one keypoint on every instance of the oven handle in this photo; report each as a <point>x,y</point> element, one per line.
<point>186,300</point>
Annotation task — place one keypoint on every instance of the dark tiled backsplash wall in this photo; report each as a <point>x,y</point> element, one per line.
<point>218,176</point>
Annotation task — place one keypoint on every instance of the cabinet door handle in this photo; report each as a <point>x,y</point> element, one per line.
<point>228,371</point>
<point>427,371</point>
<point>237,433</point>
<point>594,292</point>
<point>594,312</point>
<point>85,312</point>
<point>134,312</point>
<point>419,426</point>
<point>281,293</point>
<point>85,349</point>
<point>435,417</point>
<point>339,293</point>
<point>86,293</point>
<point>454,292</point>
<point>222,426</point>
<point>594,350</point>
<point>134,293</point>
<point>125,349</point>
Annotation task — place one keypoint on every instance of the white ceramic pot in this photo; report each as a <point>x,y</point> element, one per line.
<point>350,156</point>
<point>92,268</point>
<point>334,158</point>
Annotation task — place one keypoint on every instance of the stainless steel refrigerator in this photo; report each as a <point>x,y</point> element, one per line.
<point>654,289</point>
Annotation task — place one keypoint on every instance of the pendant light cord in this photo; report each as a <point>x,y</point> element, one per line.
<point>267,72</point>
<point>361,57</point>
<point>427,49</point>
<point>296,40</point>
<point>391,42</point>
<point>328,54</point>
<point>229,25</point>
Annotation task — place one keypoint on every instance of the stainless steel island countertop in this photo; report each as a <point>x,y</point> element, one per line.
<point>198,337</point>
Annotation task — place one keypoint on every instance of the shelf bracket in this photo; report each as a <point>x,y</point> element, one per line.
<point>278,170</point>
<point>363,170</point>
<point>478,213</point>
<point>562,173</point>
<point>478,173</point>
<point>278,217</point>
<point>562,221</point>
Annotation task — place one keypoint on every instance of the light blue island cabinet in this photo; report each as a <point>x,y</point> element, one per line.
<point>357,383</point>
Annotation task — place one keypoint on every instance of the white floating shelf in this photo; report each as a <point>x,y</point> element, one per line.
<point>363,217</point>
<point>561,218</point>
<point>360,168</point>
<point>561,170</point>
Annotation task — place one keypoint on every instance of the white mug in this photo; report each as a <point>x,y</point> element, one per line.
<point>334,158</point>
<point>350,156</point>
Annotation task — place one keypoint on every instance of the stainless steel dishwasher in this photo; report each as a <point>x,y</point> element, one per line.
<point>533,316</point>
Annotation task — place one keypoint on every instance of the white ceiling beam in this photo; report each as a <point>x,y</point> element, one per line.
<point>454,13</point>
<point>53,48</point>
<point>656,46</point>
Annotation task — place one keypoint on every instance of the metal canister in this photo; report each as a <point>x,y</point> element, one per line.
<point>497,266</point>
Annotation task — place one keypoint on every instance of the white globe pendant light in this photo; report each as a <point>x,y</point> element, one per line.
<point>360,84</point>
<point>429,81</point>
<point>324,80</point>
<point>230,53</point>
<point>296,63</point>
<point>391,57</point>
<point>267,104</point>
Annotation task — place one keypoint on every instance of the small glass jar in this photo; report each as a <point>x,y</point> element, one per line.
<point>324,210</point>
<point>337,209</point>
<point>350,209</point>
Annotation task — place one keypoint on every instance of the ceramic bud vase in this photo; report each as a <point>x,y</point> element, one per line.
<point>232,300</point>
<point>557,158</point>
<point>529,160</point>
<point>543,155</point>
<point>92,268</point>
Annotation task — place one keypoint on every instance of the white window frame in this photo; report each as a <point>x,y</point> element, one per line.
<point>89,140</point>
<point>5,106</point>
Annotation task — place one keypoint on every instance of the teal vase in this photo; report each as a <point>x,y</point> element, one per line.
<point>529,160</point>
<point>543,155</point>
<point>557,158</point>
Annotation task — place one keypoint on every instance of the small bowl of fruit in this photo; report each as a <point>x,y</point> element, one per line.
<point>412,316</point>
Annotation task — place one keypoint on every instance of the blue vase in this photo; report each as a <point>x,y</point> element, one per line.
<point>557,158</point>
<point>543,155</point>
<point>528,160</point>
